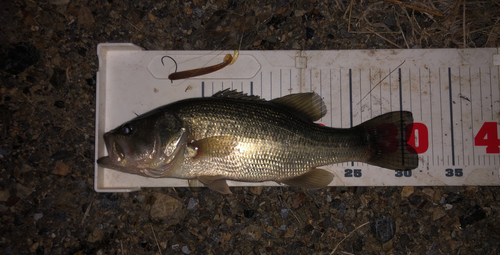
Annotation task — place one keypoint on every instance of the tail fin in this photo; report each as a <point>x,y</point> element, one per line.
<point>388,135</point>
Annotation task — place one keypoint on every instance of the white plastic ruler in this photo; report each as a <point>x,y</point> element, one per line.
<point>453,94</point>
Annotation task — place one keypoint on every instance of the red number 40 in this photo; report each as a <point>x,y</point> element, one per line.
<point>488,136</point>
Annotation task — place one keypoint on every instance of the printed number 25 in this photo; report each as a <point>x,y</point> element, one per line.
<point>488,136</point>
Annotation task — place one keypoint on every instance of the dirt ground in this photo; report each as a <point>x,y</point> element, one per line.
<point>48,67</point>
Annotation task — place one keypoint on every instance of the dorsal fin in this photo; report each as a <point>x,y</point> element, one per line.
<point>227,93</point>
<point>309,105</point>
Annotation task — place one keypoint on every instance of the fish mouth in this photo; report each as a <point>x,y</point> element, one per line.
<point>116,151</point>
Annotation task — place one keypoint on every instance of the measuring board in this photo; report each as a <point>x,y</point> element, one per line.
<point>453,94</point>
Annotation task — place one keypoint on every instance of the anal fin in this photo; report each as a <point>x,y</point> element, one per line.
<point>316,178</point>
<point>216,183</point>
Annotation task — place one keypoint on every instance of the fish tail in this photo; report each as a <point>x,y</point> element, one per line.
<point>388,136</point>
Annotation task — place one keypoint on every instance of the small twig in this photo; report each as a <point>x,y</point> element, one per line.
<point>402,33</point>
<point>347,253</point>
<point>364,13</point>
<point>132,24</point>
<point>436,13</point>
<point>381,81</point>
<point>336,246</point>
<point>463,20</point>
<point>74,124</point>
<point>121,245</point>
<point>483,28</point>
<point>349,9</point>
<point>87,212</point>
<point>159,249</point>
<point>389,41</point>
<point>491,32</point>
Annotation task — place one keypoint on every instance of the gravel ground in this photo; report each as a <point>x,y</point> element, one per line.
<point>48,64</point>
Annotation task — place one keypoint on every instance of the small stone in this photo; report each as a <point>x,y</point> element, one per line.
<point>4,195</point>
<point>37,216</point>
<point>298,13</point>
<point>141,198</point>
<point>192,204</point>
<point>151,17</point>
<point>407,191</point>
<point>26,168</point>
<point>282,227</point>
<point>114,15</point>
<point>472,216</point>
<point>256,190</point>
<point>33,247</point>
<point>328,198</point>
<point>428,192</point>
<point>85,16</point>
<point>198,12</point>
<point>297,200</point>
<point>383,228</point>
<point>272,39</point>
<point>340,226</point>
<point>284,213</point>
<point>448,207</point>
<point>438,213</point>
<point>253,231</point>
<point>166,208</point>
<point>290,233</point>
<point>436,196</point>
<point>23,191</point>
<point>452,222</point>
<point>387,246</point>
<point>61,169</point>
<point>185,249</point>
<point>96,235</point>
<point>175,246</point>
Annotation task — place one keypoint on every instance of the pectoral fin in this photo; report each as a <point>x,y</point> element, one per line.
<point>216,183</point>
<point>215,146</point>
<point>316,178</point>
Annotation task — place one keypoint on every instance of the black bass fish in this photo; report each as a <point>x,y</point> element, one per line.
<point>233,136</point>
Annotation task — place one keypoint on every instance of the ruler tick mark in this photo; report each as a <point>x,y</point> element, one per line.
<point>350,98</point>
<point>441,109</point>
<point>202,89</point>
<point>451,119</point>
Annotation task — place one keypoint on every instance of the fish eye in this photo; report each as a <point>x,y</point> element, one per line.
<point>127,129</point>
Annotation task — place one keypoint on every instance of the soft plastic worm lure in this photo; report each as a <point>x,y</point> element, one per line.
<point>228,60</point>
